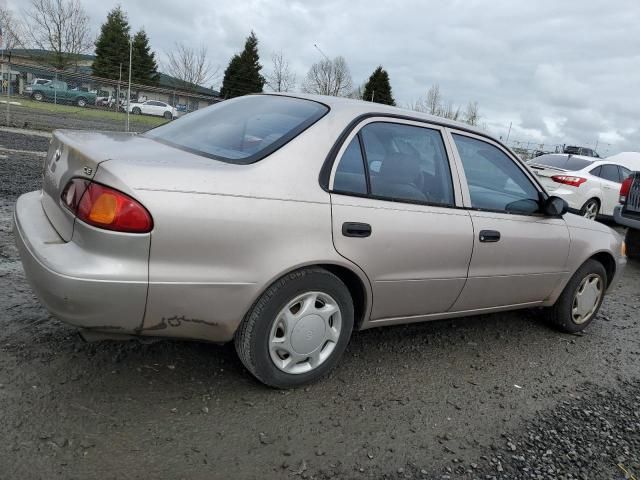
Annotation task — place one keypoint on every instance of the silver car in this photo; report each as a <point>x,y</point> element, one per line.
<point>284,223</point>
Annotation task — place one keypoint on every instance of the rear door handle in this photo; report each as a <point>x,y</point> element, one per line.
<point>355,229</point>
<point>489,236</point>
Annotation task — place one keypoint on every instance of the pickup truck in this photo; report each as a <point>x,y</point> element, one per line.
<point>60,92</point>
<point>628,213</point>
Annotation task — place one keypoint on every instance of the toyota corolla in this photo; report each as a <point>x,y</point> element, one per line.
<point>285,223</point>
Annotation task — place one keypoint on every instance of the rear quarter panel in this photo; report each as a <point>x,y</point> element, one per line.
<point>223,233</point>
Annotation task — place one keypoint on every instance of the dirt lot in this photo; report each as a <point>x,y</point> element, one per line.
<point>500,396</point>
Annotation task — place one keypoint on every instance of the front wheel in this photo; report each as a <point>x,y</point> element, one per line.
<point>168,115</point>
<point>136,111</point>
<point>38,97</point>
<point>581,299</point>
<point>297,330</point>
<point>81,102</point>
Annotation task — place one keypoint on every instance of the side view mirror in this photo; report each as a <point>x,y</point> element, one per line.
<point>555,207</point>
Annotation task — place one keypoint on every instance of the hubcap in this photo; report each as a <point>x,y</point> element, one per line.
<point>587,298</point>
<point>305,333</point>
<point>591,211</point>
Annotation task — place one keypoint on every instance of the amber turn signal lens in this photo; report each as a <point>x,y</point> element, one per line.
<point>104,209</point>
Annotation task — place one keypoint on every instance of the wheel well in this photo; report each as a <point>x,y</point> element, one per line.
<point>609,264</point>
<point>356,289</point>
<point>593,198</point>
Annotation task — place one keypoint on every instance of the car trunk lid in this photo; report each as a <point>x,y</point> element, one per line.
<point>544,174</point>
<point>73,154</point>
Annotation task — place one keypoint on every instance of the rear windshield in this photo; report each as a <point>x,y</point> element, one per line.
<point>242,130</point>
<point>564,162</point>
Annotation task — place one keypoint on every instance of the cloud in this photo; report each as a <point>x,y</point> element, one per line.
<point>558,72</point>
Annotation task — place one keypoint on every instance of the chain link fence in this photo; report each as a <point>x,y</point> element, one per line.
<point>36,97</point>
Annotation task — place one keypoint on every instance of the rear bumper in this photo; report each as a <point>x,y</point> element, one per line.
<point>76,285</point>
<point>625,221</point>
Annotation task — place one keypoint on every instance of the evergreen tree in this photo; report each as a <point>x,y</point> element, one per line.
<point>112,46</point>
<point>378,89</point>
<point>144,68</point>
<point>242,76</point>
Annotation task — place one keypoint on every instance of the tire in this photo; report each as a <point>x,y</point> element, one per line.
<point>38,97</point>
<point>632,240</point>
<point>561,315</point>
<point>261,327</point>
<point>167,115</point>
<point>591,209</point>
<point>81,102</point>
<point>136,111</point>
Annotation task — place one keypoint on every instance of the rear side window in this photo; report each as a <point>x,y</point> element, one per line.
<point>495,181</point>
<point>624,173</point>
<point>242,130</point>
<point>403,163</point>
<point>610,172</point>
<point>350,175</point>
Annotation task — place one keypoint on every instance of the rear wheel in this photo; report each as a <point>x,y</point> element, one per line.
<point>297,330</point>
<point>581,299</point>
<point>590,209</point>
<point>633,243</point>
<point>38,97</point>
<point>81,102</point>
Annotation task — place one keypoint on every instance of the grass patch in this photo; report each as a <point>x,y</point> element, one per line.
<point>87,112</point>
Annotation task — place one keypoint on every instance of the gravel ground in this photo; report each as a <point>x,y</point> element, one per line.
<point>493,397</point>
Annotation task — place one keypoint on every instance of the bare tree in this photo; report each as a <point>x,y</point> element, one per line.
<point>434,100</point>
<point>329,77</point>
<point>281,79</point>
<point>12,30</point>
<point>190,65</point>
<point>61,27</point>
<point>472,114</point>
<point>448,110</point>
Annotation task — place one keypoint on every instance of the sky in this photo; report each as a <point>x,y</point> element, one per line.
<point>557,71</point>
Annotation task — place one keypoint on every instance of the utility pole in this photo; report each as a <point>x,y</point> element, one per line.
<point>508,133</point>
<point>119,83</point>
<point>8,88</point>
<point>318,48</point>
<point>129,89</point>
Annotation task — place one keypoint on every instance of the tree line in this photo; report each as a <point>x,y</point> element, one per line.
<point>61,27</point>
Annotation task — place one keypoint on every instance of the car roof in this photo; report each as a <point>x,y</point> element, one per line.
<point>355,108</point>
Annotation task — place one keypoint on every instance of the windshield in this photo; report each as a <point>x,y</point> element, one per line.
<point>242,130</point>
<point>565,162</point>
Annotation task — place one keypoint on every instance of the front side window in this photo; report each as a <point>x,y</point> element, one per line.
<point>495,181</point>
<point>242,130</point>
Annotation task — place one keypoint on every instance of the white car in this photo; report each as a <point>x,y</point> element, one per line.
<point>154,107</point>
<point>591,186</point>
<point>36,81</point>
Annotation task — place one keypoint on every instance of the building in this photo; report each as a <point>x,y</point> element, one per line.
<point>29,64</point>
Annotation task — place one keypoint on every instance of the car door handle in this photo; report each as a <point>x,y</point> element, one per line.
<point>489,236</point>
<point>355,229</point>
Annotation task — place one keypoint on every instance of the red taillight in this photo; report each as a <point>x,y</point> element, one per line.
<point>105,207</point>
<point>569,180</point>
<point>624,189</point>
